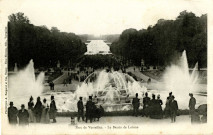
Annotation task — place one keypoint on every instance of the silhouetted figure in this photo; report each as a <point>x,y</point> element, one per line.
<point>95,112</point>
<point>167,108</point>
<point>98,112</point>
<point>149,81</point>
<point>192,103</point>
<point>159,107</point>
<point>51,85</point>
<point>136,104</point>
<point>12,114</point>
<point>45,112</point>
<point>65,82</point>
<point>153,108</point>
<point>146,105</point>
<point>173,109</point>
<point>70,80</point>
<point>170,96</point>
<point>53,109</point>
<point>169,101</point>
<point>30,109</point>
<point>38,110</point>
<point>23,116</point>
<point>80,109</point>
<point>89,109</point>
<point>101,110</point>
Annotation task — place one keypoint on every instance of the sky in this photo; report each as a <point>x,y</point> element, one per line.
<point>100,17</point>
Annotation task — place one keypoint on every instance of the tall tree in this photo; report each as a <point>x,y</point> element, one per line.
<point>44,46</point>
<point>161,43</point>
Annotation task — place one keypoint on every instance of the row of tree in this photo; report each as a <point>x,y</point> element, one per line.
<point>46,47</point>
<point>158,45</point>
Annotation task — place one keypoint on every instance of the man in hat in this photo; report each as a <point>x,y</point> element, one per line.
<point>89,109</point>
<point>146,103</point>
<point>169,101</point>
<point>23,116</point>
<point>192,111</point>
<point>153,107</point>
<point>12,114</point>
<point>173,109</point>
<point>192,103</point>
<point>136,104</point>
<point>53,109</point>
<point>170,96</point>
<point>80,109</point>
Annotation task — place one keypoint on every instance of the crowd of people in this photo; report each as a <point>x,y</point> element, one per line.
<point>38,113</point>
<point>78,74</point>
<point>153,107</point>
<point>42,112</point>
<point>93,111</point>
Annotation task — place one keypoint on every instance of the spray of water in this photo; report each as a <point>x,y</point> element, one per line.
<point>110,88</point>
<point>24,84</point>
<point>178,80</point>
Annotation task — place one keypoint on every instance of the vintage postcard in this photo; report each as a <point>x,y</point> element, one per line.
<point>106,67</point>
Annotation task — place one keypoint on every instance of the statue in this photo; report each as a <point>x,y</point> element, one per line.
<point>15,68</point>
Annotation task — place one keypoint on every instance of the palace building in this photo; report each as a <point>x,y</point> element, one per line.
<point>97,47</point>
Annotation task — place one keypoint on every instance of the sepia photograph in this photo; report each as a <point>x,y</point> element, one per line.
<point>90,67</point>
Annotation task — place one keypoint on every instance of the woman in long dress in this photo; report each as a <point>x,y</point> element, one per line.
<point>53,109</point>
<point>30,110</point>
<point>159,107</point>
<point>45,112</point>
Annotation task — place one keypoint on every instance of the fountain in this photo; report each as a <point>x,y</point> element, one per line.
<point>111,88</point>
<point>23,84</point>
<point>180,82</point>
